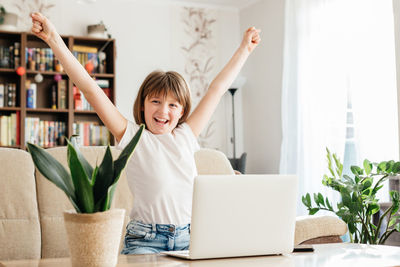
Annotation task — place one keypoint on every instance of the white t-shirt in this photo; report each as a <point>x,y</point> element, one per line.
<point>160,174</point>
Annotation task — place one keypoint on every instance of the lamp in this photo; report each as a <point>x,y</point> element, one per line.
<point>238,164</point>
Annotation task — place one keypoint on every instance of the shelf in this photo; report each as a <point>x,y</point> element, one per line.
<point>84,112</point>
<point>91,39</point>
<point>46,110</point>
<point>102,75</point>
<point>32,72</point>
<point>45,72</point>
<point>13,33</point>
<point>8,70</point>
<point>43,93</point>
<point>10,109</point>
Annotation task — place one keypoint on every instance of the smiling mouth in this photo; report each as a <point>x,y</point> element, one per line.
<point>161,121</point>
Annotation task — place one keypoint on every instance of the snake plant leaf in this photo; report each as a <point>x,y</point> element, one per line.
<point>126,153</point>
<point>119,166</point>
<point>109,197</point>
<point>82,183</point>
<point>104,177</point>
<point>88,168</point>
<point>53,170</point>
<point>76,207</point>
<point>94,176</point>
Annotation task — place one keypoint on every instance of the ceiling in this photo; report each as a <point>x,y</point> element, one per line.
<point>220,3</point>
<point>227,3</point>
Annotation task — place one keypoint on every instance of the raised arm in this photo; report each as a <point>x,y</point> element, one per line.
<point>105,109</point>
<point>204,110</point>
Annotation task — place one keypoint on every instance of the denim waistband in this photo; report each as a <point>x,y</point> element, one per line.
<point>160,228</point>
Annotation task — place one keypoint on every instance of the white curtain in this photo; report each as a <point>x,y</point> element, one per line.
<point>333,47</point>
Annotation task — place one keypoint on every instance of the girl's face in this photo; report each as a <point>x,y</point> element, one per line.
<point>162,114</point>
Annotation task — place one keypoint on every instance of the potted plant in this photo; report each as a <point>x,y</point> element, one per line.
<point>98,30</point>
<point>8,21</point>
<point>93,229</point>
<point>359,206</point>
<point>2,14</point>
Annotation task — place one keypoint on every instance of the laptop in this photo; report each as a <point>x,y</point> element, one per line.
<point>241,215</point>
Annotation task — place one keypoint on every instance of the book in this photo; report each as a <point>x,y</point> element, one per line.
<point>34,89</point>
<point>62,94</point>
<point>9,95</point>
<point>103,83</point>
<point>4,131</point>
<point>9,129</point>
<point>107,92</point>
<point>31,95</point>
<point>1,95</point>
<point>13,129</point>
<point>17,59</point>
<point>14,95</point>
<point>77,99</point>
<point>54,97</point>
<point>84,49</point>
<point>18,129</point>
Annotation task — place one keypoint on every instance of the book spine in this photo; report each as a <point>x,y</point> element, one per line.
<point>27,128</point>
<point>62,94</point>
<point>17,58</point>
<point>39,131</point>
<point>53,97</point>
<point>9,95</point>
<point>1,95</point>
<point>18,129</point>
<point>9,131</point>
<point>13,129</point>
<point>37,58</point>
<point>34,94</point>
<point>4,131</point>
<point>14,95</point>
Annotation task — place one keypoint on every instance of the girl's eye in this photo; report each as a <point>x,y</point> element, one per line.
<point>174,105</point>
<point>155,101</point>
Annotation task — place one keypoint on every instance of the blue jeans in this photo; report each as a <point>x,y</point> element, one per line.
<point>144,238</point>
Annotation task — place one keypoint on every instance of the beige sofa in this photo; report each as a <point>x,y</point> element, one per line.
<point>31,208</point>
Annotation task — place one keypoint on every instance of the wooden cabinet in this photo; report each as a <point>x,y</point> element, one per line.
<point>36,112</point>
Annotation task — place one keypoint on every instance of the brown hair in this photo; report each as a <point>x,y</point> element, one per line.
<point>162,83</point>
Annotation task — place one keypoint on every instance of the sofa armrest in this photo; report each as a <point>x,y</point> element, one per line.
<point>319,229</point>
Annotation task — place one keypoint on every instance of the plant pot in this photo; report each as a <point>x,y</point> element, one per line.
<point>10,22</point>
<point>97,31</point>
<point>94,238</point>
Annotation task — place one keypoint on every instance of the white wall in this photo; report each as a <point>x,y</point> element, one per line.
<point>262,91</point>
<point>396,18</point>
<point>144,33</point>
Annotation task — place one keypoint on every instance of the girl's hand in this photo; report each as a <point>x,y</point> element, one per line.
<point>42,27</point>
<point>251,39</point>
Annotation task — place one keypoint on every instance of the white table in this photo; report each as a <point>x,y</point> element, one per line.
<point>335,255</point>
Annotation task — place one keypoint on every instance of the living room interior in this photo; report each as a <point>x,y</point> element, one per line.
<point>290,105</point>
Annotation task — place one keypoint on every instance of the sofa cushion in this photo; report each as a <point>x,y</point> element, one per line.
<point>211,161</point>
<point>19,219</point>
<point>53,201</point>
<point>311,227</point>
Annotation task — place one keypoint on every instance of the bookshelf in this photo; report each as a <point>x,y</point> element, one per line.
<point>44,105</point>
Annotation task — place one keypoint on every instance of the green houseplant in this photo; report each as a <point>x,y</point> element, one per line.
<point>359,203</point>
<point>93,229</point>
<point>8,20</point>
<point>2,14</point>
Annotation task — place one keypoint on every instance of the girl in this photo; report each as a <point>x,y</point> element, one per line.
<point>161,172</point>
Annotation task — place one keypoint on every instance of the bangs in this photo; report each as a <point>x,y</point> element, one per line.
<point>160,84</point>
<point>164,86</point>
